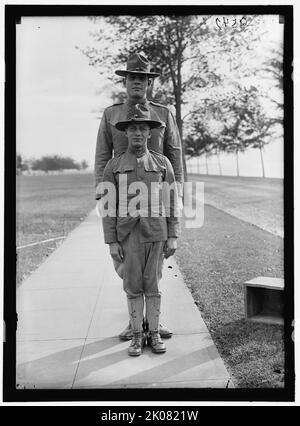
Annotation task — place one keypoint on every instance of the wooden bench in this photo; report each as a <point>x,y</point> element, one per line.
<point>264,300</point>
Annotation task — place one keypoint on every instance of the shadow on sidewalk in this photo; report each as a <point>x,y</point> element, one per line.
<point>173,367</point>
<point>51,371</point>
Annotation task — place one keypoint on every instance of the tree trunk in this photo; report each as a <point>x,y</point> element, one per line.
<point>206,164</point>
<point>237,163</point>
<point>262,161</point>
<point>180,129</point>
<point>198,165</point>
<point>178,100</point>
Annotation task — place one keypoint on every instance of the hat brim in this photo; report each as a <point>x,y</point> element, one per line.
<point>123,73</point>
<point>121,125</point>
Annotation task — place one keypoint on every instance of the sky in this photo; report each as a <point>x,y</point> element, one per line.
<point>56,89</point>
<point>57,92</point>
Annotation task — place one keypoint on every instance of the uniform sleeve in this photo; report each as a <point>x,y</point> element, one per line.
<point>173,221</point>
<point>173,150</point>
<point>110,220</point>
<point>104,148</point>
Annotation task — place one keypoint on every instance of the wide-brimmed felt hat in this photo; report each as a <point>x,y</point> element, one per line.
<point>136,114</point>
<point>137,64</point>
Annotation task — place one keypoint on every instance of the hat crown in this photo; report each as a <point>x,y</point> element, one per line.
<point>138,112</point>
<point>137,62</point>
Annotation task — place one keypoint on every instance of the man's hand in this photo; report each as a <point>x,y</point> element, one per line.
<point>170,247</point>
<point>116,252</point>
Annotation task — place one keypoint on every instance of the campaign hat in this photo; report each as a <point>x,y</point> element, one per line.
<point>137,64</point>
<point>137,114</point>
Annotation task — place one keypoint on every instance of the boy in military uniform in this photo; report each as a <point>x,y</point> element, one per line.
<point>141,240</point>
<point>164,139</point>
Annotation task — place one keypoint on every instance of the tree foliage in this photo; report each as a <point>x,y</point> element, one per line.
<point>56,162</point>
<point>21,164</point>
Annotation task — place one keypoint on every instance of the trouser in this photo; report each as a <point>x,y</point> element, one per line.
<point>142,265</point>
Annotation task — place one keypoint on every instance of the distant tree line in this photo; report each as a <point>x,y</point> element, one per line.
<point>49,163</point>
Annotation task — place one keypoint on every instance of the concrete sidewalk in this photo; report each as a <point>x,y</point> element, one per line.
<point>72,308</point>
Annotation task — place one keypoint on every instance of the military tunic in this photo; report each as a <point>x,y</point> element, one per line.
<point>142,237</point>
<point>164,140</point>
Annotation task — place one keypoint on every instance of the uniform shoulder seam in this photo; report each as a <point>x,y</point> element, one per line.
<point>116,158</point>
<point>158,154</point>
<point>113,105</point>
<point>160,105</point>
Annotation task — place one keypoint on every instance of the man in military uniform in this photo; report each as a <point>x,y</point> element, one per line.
<point>164,139</point>
<point>142,236</point>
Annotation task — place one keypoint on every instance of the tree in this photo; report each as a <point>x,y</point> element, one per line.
<point>21,164</point>
<point>84,165</point>
<point>204,129</point>
<point>260,129</point>
<point>245,123</point>
<point>51,163</point>
<point>199,141</point>
<point>272,71</point>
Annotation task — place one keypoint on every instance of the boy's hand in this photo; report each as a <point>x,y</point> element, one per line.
<point>116,252</point>
<point>170,247</point>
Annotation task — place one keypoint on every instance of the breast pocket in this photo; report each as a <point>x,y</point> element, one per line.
<point>154,176</point>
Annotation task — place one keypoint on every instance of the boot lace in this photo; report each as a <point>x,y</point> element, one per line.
<point>137,337</point>
<point>155,337</point>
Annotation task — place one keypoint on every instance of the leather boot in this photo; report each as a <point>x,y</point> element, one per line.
<point>136,311</point>
<point>153,336</point>
<point>156,344</point>
<point>164,332</point>
<point>137,343</point>
<point>127,333</point>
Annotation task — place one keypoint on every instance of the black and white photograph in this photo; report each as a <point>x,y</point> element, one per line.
<point>153,201</point>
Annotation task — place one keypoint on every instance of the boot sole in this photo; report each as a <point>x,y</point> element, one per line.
<point>163,336</point>
<point>125,339</point>
<point>159,351</point>
<point>166,336</point>
<point>156,351</point>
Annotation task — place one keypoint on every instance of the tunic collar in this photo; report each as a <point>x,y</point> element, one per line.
<point>128,162</point>
<point>130,102</point>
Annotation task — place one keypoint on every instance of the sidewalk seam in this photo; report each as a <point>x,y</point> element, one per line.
<point>85,339</point>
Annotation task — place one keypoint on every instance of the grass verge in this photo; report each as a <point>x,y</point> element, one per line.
<point>48,207</point>
<point>215,261</point>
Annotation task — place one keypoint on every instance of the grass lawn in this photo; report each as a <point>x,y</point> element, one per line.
<point>48,207</point>
<point>215,261</point>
